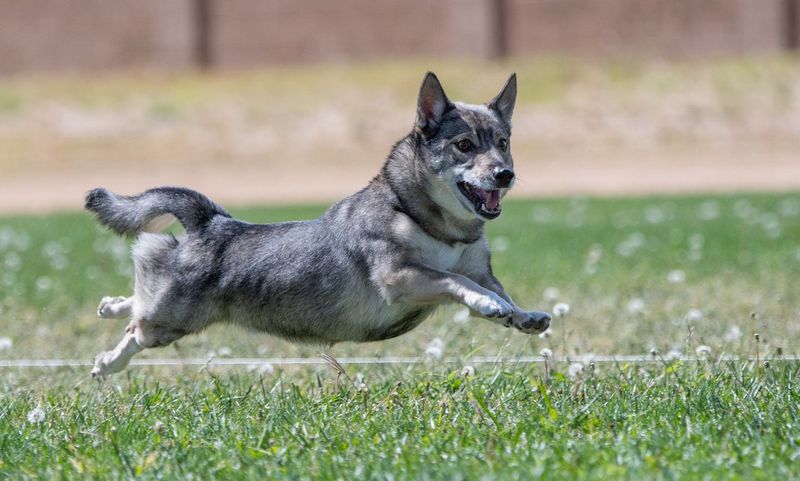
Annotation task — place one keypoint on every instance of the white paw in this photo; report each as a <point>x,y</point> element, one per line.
<point>106,363</point>
<point>493,307</point>
<point>106,309</point>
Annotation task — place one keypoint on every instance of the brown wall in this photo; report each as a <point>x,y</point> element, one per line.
<point>673,28</point>
<point>69,35</point>
<point>66,35</point>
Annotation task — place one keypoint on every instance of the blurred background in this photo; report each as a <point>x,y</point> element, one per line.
<point>250,100</point>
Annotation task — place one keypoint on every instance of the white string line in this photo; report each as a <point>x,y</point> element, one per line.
<point>390,360</point>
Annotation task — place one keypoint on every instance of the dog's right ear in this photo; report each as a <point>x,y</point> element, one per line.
<point>431,105</point>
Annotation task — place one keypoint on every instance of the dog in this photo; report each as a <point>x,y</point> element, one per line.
<point>372,267</point>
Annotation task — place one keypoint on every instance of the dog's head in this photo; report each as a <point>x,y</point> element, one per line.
<point>465,149</point>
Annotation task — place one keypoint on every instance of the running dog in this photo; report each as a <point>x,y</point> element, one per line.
<point>372,267</point>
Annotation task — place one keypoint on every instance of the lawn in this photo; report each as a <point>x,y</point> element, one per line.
<point>696,276</point>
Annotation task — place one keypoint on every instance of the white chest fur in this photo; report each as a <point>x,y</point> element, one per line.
<point>427,250</point>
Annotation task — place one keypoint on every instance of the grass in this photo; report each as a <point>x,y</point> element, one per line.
<point>614,261</point>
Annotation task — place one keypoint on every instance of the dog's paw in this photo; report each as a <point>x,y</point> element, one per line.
<point>106,363</point>
<point>532,322</point>
<point>493,307</point>
<point>106,308</point>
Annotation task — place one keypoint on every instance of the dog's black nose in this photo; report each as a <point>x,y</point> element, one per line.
<point>503,176</point>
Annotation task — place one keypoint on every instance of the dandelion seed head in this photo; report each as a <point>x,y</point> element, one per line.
<point>546,353</point>
<point>575,369</point>
<point>789,207</point>
<point>561,309</point>
<point>461,316</point>
<point>434,350</point>
<point>694,315</point>
<point>552,293</point>
<point>36,415</point>
<point>703,350</point>
<point>676,276</point>
<point>673,354</point>
<point>636,305</point>
<point>734,334</point>
<point>44,284</point>
<point>708,210</point>
<point>654,214</point>
<point>158,426</point>
<point>13,261</point>
<point>547,333</point>
<point>468,371</point>
<point>541,215</point>
<point>500,244</point>
<point>6,343</point>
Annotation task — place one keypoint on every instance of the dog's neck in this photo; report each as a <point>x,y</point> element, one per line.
<point>405,176</point>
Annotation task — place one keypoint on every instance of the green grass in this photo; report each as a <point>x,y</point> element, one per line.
<point>740,258</point>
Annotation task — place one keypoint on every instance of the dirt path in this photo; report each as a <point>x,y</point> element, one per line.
<point>720,169</point>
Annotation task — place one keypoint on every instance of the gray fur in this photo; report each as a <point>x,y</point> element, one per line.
<point>372,267</point>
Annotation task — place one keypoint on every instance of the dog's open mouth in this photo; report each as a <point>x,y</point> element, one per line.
<point>486,202</point>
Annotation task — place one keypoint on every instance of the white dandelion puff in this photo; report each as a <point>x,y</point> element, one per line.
<point>546,353</point>
<point>734,334</point>
<point>461,316</point>
<point>500,244</point>
<point>13,261</point>
<point>44,284</point>
<point>703,350</point>
<point>6,343</point>
<point>575,369</point>
<point>696,241</point>
<point>673,354</point>
<point>224,351</point>
<point>789,207</point>
<point>694,315</point>
<point>36,415</point>
<point>708,210</point>
<point>262,368</point>
<point>468,371</point>
<point>435,348</point>
<point>561,309</point>
<point>552,293</point>
<point>654,214</point>
<point>541,215</point>
<point>676,276</point>
<point>636,305</point>
<point>547,333</point>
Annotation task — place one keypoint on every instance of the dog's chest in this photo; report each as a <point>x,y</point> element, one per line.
<point>425,249</point>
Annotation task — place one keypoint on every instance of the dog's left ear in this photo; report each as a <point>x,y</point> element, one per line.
<point>503,104</point>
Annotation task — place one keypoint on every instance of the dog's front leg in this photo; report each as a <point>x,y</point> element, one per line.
<point>530,322</point>
<point>419,284</point>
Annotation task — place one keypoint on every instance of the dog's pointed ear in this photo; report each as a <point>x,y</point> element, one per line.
<point>503,104</point>
<point>431,105</point>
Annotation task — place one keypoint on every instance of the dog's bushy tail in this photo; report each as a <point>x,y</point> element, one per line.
<point>131,215</point>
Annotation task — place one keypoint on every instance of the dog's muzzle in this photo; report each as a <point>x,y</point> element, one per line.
<point>486,202</point>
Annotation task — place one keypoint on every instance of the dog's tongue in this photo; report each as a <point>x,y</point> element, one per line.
<point>492,199</point>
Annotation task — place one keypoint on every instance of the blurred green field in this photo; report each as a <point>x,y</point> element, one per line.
<point>665,273</point>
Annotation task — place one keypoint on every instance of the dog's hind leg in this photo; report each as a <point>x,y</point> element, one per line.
<point>115,307</point>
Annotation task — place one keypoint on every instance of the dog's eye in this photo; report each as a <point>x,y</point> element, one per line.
<point>502,144</point>
<point>464,145</point>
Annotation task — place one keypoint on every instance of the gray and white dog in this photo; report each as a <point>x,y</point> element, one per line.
<point>372,267</point>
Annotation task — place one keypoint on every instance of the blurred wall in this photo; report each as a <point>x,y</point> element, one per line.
<point>81,35</point>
